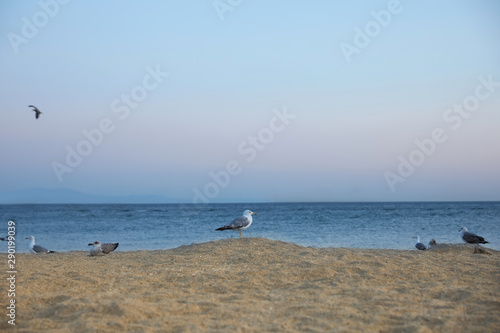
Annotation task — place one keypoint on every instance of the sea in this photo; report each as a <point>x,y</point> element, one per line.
<point>71,227</point>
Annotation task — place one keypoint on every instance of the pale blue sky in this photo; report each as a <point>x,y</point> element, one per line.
<point>353,120</point>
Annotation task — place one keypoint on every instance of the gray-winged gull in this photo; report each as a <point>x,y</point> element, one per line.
<point>239,223</point>
<point>470,237</point>
<point>35,109</point>
<point>419,245</point>
<point>37,248</point>
<point>99,249</point>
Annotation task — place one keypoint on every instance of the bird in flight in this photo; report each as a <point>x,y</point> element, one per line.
<point>38,112</point>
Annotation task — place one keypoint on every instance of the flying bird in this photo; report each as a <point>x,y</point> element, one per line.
<point>35,109</point>
<point>470,237</point>
<point>419,245</point>
<point>99,249</point>
<point>37,248</point>
<point>239,223</point>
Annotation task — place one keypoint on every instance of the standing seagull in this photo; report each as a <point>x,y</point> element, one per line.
<point>99,249</point>
<point>471,238</point>
<point>239,223</point>
<point>37,248</point>
<point>418,245</point>
<point>38,112</point>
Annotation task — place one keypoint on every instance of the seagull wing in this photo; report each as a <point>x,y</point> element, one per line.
<point>420,246</point>
<point>108,247</point>
<point>239,222</point>
<point>39,249</point>
<point>34,108</point>
<point>469,237</point>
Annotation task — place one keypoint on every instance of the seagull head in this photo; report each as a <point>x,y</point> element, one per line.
<point>249,212</point>
<point>96,243</point>
<point>30,237</point>
<point>463,229</point>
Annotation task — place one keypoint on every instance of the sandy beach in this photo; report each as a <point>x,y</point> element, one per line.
<point>256,285</point>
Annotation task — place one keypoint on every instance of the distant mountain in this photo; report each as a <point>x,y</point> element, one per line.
<point>66,196</point>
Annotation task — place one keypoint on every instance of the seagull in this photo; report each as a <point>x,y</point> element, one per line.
<point>99,249</point>
<point>37,248</point>
<point>38,112</point>
<point>418,245</point>
<point>239,223</point>
<point>432,242</point>
<point>470,237</point>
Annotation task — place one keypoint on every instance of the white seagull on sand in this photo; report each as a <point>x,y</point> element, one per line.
<point>99,249</point>
<point>419,245</point>
<point>470,237</point>
<point>239,223</point>
<point>37,248</point>
<point>38,112</point>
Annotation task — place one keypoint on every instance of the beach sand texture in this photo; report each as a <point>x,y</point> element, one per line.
<point>256,285</point>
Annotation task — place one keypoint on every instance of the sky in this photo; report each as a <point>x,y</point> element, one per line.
<point>252,101</point>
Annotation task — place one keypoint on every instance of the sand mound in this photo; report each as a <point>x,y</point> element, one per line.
<point>255,285</point>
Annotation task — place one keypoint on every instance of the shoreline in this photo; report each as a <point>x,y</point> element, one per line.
<point>256,284</point>
<point>437,247</point>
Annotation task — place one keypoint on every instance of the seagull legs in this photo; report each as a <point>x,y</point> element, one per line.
<point>240,233</point>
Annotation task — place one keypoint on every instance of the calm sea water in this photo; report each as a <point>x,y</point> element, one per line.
<point>164,226</point>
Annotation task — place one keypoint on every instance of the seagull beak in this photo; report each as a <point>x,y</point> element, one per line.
<point>90,244</point>
<point>254,213</point>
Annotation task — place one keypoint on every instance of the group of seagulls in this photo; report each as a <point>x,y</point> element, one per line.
<point>238,224</point>
<point>98,248</point>
<point>241,223</point>
<point>467,236</point>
